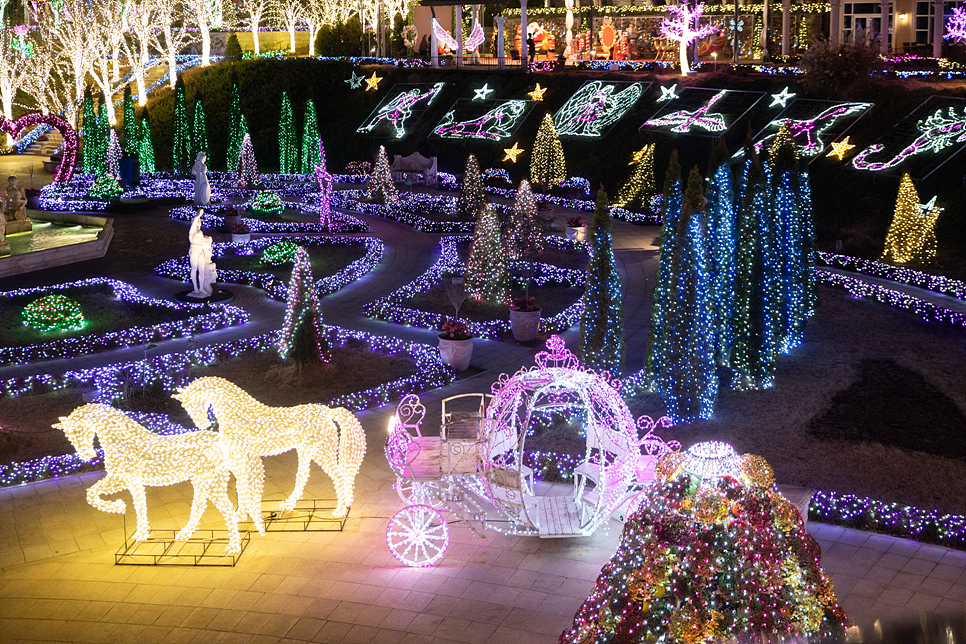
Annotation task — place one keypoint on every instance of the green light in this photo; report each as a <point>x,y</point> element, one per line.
<point>52,313</point>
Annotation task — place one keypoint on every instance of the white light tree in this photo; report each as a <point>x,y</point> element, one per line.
<point>202,13</point>
<point>318,13</point>
<point>142,18</point>
<point>683,26</point>
<point>167,13</point>
<point>13,66</point>
<point>288,14</point>
<point>71,39</point>
<point>258,10</point>
<point>106,30</point>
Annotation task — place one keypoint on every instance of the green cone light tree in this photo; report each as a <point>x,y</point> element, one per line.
<point>181,148</point>
<point>310,140</point>
<point>602,322</point>
<point>130,123</point>
<point>146,145</point>
<point>236,125</point>
<point>288,158</point>
<point>199,132</point>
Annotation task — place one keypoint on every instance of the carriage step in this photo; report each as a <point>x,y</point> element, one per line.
<point>558,517</point>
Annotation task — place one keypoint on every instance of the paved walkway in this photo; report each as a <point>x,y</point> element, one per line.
<point>58,582</point>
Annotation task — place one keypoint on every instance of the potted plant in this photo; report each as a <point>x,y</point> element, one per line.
<point>455,345</point>
<point>524,319</point>
<point>576,229</point>
<point>241,233</point>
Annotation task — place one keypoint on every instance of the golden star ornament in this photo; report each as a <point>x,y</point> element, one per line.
<point>537,94</point>
<point>512,153</point>
<point>373,82</point>
<point>840,148</point>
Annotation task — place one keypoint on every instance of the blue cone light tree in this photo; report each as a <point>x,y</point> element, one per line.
<point>602,322</point>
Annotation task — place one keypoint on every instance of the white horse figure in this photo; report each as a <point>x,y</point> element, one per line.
<point>332,437</point>
<point>136,458</point>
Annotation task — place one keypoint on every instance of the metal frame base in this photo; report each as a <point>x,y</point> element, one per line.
<point>204,548</point>
<point>309,515</point>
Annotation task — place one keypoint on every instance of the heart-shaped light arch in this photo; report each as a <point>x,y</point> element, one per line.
<point>16,128</point>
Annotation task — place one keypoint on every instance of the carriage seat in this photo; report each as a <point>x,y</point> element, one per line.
<point>589,470</point>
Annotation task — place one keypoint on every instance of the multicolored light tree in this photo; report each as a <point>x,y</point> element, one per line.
<point>547,164</point>
<point>487,271</point>
<point>686,376</point>
<point>712,552</point>
<point>381,188</point>
<point>288,155</point>
<point>473,196</point>
<point>181,148</point>
<point>602,322</point>
<point>247,167</point>
<point>912,233</point>
<point>310,139</point>
<point>301,337</point>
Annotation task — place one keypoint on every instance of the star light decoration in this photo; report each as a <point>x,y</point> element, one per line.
<point>513,153</point>
<point>372,83</point>
<point>912,233</point>
<point>840,148</point>
<point>781,98</point>
<point>668,93</point>
<point>537,93</point>
<point>355,81</point>
<point>483,92</point>
<point>332,437</point>
<point>136,458</point>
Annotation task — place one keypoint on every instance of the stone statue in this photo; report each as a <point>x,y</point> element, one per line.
<point>4,244</point>
<point>201,269</point>
<point>16,206</point>
<point>202,189</point>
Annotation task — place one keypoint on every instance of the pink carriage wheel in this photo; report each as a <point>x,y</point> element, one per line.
<point>417,536</point>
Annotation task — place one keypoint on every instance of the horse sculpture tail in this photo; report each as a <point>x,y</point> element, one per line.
<point>352,448</point>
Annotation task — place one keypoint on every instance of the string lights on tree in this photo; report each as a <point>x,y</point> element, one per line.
<point>246,170</point>
<point>146,146</point>
<point>181,148</point>
<point>113,163</point>
<point>236,124</point>
<point>524,235</point>
<point>380,187</point>
<point>641,184</point>
<point>310,139</point>
<point>683,27</point>
<point>288,152</point>
<point>488,271</point>
<point>602,322</point>
<point>473,196</point>
<point>301,338</point>
<point>130,124</point>
<point>199,131</point>
<point>662,298</point>
<point>547,164</point>
<point>722,232</point>
<point>912,233</point>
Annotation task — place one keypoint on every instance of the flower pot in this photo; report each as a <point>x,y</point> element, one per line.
<point>524,324</point>
<point>577,234</point>
<point>243,237</point>
<point>456,353</point>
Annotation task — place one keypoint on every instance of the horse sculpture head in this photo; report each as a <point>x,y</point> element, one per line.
<point>81,426</point>
<point>196,400</point>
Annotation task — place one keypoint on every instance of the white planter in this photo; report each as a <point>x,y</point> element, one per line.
<point>578,234</point>
<point>524,324</point>
<point>456,353</point>
<point>244,237</point>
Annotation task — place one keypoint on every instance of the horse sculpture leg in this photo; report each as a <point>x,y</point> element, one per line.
<point>198,503</point>
<point>301,478</point>
<point>141,512</point>
<point>107,485</point>
<point>249,479</point>
<point>217,492</point>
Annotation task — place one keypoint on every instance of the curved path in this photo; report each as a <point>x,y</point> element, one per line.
<point>58,582</point>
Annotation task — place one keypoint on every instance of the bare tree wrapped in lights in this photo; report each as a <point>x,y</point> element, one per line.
<point>682,26</point>
<point>602,322</point>
<point>168,13</point>
<point>473,196</point>
<point>487,271</point>
<point>258,10</point>
<point>547,164</point>
<point>381,188</point>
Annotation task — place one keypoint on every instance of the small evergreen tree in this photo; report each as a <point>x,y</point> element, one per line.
<point>487,271</point>
<point>688,383</point>
<point>473,196</point>
<point>301,337</point>
<point>288,160</point>
<point>602,322</point>
<point>524,238</point>
<point>146,146</point>
<point>236,125</point>
<point>641,184</point>
<point>310,139</point>
<point>89,135</point>
<point>381,188</point>
<point>181,149</point>
<point>233,50</point>
<point>912,233</point>
<point>547,164</point>
<point>130,124</point>
<point>247,167</point>
<point>199,132</point>
<point>102,135</point>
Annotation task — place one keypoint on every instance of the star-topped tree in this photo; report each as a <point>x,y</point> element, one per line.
<point>301,336</point>
<point>381,188</point>
<point>641,184</point>
<point>547,164</point>
<point>912,234</point>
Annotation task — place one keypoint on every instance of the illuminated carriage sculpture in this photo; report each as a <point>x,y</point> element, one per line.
<point>474,473</point>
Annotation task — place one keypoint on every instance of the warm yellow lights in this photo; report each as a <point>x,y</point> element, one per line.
<point>537,94</point>
<point>372,83</point>
<point>912,234</point>
<point>332,437</point>
<point>513,153</point>
<point>840,148</point>
<point>136,458</point>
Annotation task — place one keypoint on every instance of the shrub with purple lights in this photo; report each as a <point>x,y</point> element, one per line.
<point>338,222</point>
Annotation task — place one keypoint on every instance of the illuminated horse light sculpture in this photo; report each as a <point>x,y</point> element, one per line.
<point>136,458</point>
<point>332,437</point>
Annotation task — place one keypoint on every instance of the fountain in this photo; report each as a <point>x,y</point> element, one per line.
<point>56,238</point>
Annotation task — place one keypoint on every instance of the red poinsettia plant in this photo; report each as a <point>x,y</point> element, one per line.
<point>524,304</point>
<point>575,222</point>
<point>240,229</point>
<point>454,330</point>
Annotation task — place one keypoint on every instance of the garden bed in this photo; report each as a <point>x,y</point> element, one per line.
<point>424,303</point>
<point>295,218</point>
<point>115,315</point>
<point>336,262</point>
